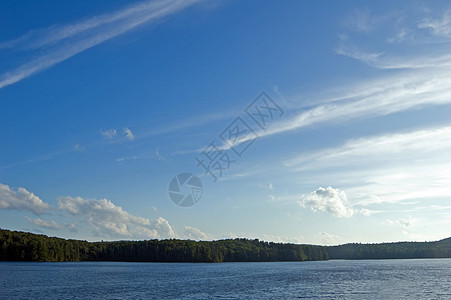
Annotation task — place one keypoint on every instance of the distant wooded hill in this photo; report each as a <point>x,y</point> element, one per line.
<point>22,246</point>
<point>439,249</point>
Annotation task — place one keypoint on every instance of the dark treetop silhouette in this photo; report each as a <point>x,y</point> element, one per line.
<point>22,246</point>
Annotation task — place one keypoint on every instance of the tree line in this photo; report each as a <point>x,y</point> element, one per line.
<point>23,246</point>
<point>399,250</point>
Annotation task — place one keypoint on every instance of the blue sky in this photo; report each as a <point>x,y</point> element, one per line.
<point>103,103</point>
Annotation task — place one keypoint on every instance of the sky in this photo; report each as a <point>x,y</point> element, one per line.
<point>320,122</point>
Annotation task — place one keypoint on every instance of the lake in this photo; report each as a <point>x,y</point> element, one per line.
<point>364,279</point>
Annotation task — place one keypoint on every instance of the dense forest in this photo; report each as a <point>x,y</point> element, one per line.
<point>22,246</point>
<point>439,249</point>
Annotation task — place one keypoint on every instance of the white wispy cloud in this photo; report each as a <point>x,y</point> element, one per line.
<point>154,155</point>
<point>128,134</point>
<point>403,222</point>
<point>111,220</point>
<point>426,43</point>
<point>368,58</point>
<point>21,199</point>
<point>386,96</point>
<point>394,167</point>
<point>399,36</point>
<point>440,27</point>
<point>381,60</point>
<point>420,80</point>
<point>183,124</point>
<point>44,157</point>
<point>405,146</point>
<point>402,183</point>
<point>56,44</point>
<point>361,21</point>
<point>45,224</point>
<point>388,168</point>
<point>109,134</point>
<point>270,186</point>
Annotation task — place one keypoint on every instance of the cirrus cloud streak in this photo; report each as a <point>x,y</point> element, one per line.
<point>56,44</point>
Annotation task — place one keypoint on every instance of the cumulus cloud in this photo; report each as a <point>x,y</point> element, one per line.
<point>21,200</point>
<point>163,228</point>
<point>129,134</point>
<point>41,223</point>
<point>193,233</point>
<point>109,134</point>
<point>330,200</point>
<point>111,220</point>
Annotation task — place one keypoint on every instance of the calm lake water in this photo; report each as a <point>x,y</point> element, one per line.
<point>368,279</point>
